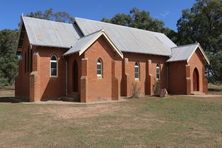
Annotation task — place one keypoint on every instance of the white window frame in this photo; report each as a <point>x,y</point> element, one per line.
<point>50,69</point>
<point>99,62</point>
<point>158,73</point>
<point>137,66</point>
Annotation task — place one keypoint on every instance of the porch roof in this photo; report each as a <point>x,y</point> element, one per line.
<point>184,53</point>
<point>85,42</point>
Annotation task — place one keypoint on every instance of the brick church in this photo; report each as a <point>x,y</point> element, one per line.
<point>92,61</point>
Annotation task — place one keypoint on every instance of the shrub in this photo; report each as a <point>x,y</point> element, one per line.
<point>3,82</point>
<point>136,90</point>
<point>157,88</point>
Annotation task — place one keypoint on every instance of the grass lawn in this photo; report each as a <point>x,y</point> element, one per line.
<point>176,121</point>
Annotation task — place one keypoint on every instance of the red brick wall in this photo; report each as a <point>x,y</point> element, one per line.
<point>177,78</point>
<point>142,59</point>
<point>197,61</point>
<point>177,74</point>
<point>51,87</point>
<point>101,88</point>
<point>22,79</point>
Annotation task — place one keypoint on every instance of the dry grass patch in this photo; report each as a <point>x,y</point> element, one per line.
<point>175,121</point>
<point>6,92</point>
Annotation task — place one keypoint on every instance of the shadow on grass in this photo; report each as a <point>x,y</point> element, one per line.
<point>215,90</point>
<point>11,100</point>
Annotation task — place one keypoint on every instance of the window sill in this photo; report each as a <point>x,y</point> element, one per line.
<point>99,76</point>
<point>54,77</point>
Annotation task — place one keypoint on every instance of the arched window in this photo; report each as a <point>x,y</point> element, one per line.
<point>158,72</point>
<point>99,68</point>
<point>137,71</point>
<point>54,66</point>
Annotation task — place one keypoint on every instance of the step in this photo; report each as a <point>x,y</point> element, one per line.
<point>197,93</point>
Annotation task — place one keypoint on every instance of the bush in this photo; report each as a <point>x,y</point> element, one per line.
<point>157,88</point>
<point>136,90</point>
<point>3,82</point>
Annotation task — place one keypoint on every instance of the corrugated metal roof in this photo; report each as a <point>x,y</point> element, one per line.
<point>164,39</point>
<point>50,33</point>
<point>83,43</point>
<point>126,39</point>
<point>129,39</point>
<point>182,53</point>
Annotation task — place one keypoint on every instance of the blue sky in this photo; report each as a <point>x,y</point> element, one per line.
<point>168,11</point>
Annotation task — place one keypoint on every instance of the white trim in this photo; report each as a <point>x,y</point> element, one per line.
<point>54,61</point>
<point>99,62</point>
<point>95,38</point>
<point>136,65</point>
<point>158,66</point>
<point>25,30</point>
<point>202,51</point>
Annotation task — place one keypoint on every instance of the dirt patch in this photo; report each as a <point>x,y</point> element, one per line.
<point>69,112</point>
<point>7,93</point>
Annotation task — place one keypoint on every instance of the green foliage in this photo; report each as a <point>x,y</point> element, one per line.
<point>203,23</point>
<point>49,14</point>
<point>141,19</point>
<point>8,62</point>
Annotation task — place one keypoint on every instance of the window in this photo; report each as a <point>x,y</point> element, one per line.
<point>137,71</point>
<point>54,66</point>
<point>158,72</point>
<point>99,68</point>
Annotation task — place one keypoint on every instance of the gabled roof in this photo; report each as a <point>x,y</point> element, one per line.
<point>129,39</point>
<point>184,53</point>
<point>85,42</point>
<point>49,33</point>
<point>84,32</point>
<point>164,39</point>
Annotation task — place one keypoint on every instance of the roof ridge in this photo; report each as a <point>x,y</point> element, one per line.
<point>186,45</point>
<point>119,25</point>
<point>100,30</point>
<point>41,19</point>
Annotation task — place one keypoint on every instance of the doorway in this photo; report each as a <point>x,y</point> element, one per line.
<point>75,76</point>
<point>195,80</point>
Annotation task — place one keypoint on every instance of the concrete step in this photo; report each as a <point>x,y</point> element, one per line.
<point>74,97</point>
<point>197,93</point>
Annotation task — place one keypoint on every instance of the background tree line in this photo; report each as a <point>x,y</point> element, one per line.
<point>202,23</point>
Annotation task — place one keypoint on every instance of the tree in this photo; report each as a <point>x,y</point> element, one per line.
<point>8,61</point>
<point>203,23</point>
<point>141,19</point>
<point>49,14</point>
